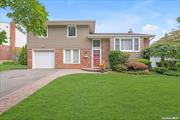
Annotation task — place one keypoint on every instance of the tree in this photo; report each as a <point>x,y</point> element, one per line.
<point>28,14</point>
<point>3,37</point>
<point>23,56</point>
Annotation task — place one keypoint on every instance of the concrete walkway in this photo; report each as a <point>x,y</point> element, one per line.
<point>15,97</point>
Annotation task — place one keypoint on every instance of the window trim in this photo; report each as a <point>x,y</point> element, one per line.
<point>71,51</point>
<point>68,31</point>
<point>127,38</point>
<point>46,32</point>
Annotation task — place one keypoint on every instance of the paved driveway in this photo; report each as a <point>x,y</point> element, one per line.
<point>14,79</point>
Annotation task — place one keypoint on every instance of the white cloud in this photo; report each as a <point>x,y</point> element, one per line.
<point>155,30</point>
<point>171,23</point>
<point>118,23</point>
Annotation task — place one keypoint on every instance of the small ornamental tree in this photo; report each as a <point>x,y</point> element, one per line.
<point>3,37</point>
<point>23,56</point>
<point>165,50</point>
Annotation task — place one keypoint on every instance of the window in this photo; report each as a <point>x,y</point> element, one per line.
<point>126,44</point>
<point>136,44</point>
<point>117,44</point>
<point>72,56</point>
<point>45,34</point>
<point>96,43</point>
<point>72,31</point>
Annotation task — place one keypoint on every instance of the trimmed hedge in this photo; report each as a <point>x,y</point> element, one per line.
<point>120,68</point>
<point>117,57</point>
<point>145,61</point>
<point>136,66</point>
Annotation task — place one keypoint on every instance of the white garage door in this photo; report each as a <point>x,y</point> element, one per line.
<point>43,59</point>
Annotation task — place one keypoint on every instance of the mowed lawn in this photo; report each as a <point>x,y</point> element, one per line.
<point>109,96</point>
<point>4,67</point>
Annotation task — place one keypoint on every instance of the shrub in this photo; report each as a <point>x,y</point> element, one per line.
<point>8,63</point>
<point>136,66</point>
<point>23,56</point>
<point>146,53</point>
<point>120,68</point>
<point>165,64</point>
<point>145,61</point>
<point>161,70</point>
<point>178,65</point>
<point>117,57</point>
<point>172,73</point>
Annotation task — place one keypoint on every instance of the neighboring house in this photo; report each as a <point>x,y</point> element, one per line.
<point>15,39</point>
<point>74,44</point>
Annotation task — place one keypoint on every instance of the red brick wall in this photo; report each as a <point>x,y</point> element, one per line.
<point>4,52</point>
<point>12,39</point>
<point>84,62</point>
<point>29,59</point>
<point>105,46</point>
<point>146,42</point>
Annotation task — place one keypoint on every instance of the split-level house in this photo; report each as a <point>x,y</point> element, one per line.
<point>74,44</point>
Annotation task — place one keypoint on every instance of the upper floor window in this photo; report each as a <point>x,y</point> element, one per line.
<point>71,31</point>
<point>127,44</point>
<point>45,33</point>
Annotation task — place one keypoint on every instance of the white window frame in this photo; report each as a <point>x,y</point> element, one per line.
<point>120,38</point>
<point>68,31</point>
<point>92,53</point>
<point>64,61</point>
<point>46,35</point>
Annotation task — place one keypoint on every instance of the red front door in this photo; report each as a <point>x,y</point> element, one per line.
<point>96,58</point>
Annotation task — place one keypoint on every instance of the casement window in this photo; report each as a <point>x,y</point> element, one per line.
<point>45,34</point>
<point>71,31</point>
<point>71,56</point>
<point>127,44</point>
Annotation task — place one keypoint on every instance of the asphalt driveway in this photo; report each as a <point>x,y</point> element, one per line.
<point>14,79</point>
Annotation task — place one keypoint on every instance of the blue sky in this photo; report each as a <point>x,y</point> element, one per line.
<point>144,16</point>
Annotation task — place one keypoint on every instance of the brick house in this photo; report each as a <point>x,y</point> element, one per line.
<point>74,44</point>
<point>15,40</point>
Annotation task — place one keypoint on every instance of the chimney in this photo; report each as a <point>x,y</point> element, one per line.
<point>130,31</point>
<point>12,39</point>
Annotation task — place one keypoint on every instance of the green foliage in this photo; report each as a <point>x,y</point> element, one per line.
<point>9,63</point>
<point>136,66</point>
<point>28,14</point>
<point>117,57</point>
<point>161,70</point>
<point>3,38</point>
<point>145,61</point>
<point>120,68</point>
<point>178,65</point>
<point>23,56</point>
<point>146,53</point>
<point>172,73</point>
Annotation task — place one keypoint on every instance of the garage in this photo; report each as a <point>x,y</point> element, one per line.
<point>43,59</point>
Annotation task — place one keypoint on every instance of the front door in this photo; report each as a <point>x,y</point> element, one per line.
<point>96,58</point>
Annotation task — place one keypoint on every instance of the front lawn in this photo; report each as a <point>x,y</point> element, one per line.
<point>4,67</point>
<point>111,96</point>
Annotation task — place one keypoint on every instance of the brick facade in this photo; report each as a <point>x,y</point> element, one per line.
<point>12,39</point>
<point>29,59</point>
<point>84,62</point>
<point>105,47</point>
<point>4,52</point>
<point>146,42</point>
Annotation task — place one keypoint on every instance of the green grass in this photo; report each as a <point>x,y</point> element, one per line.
<point>4,67</point>
<point>111,96</point>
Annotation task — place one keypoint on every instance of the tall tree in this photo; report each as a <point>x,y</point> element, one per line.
<point>28,15</point>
